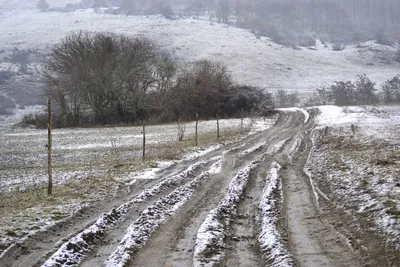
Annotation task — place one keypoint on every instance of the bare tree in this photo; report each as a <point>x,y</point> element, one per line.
<point>365,90</point>
<point>200,87</point>
<point>391,91</point>
<point>104,75</point>
<point>343,93</point>
<point>223,10</point>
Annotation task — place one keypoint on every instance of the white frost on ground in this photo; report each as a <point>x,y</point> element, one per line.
<point>270,240</point>
<point>357,151</point>
<point>252,149</point>
<point>196,152</point>
<point>374,122</point>
<point>140,231</point>
<point>302,110</point>
<point>278,146</point>
<point>75,249</point>
<point>295,148</point>
<point>211,234</point>
<point>260,125</point>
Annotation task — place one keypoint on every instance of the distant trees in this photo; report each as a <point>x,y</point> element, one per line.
<point>361,92</point>
<point>223,10</point>
<point>391,91</point>
<point>365,90</point>
<point>99,3</point>
<point>397,57</point>
<point>284,99</point>
<point>291,22</point>
<point>166,11</point>
<point>343,93</point>
<point>42,5</point>
<point>107,78</point>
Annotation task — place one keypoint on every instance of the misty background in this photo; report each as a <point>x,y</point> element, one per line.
<point>290,23</point>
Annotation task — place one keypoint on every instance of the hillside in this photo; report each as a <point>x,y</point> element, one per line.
<point>251,60</point>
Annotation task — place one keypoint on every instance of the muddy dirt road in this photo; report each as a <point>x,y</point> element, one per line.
<point>246,204</point>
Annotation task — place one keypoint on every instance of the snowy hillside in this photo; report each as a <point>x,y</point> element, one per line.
<point>251,61</point>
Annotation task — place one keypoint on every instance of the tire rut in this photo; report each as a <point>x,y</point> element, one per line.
<point>173,243</point>
<point>313,241</point>
<point>242,245</point>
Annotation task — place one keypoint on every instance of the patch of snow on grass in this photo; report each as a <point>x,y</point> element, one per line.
<point>260,125</point>
<point>271,242</point>
<point>196,153</point>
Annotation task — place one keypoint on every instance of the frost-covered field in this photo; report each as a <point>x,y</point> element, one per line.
<point>252,61</point>
<point>355,164</point>
<point>91,164</point>
<point>80,153</point>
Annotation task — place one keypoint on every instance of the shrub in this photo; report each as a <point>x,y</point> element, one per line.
<point>383,38</point>
<point>307,40</point>
<point>167,12</point>
<point>338,47</point>
<point>397,57</point>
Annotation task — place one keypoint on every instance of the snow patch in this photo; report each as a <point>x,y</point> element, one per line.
<point>295,148</point>
<point>278,146</point>
<point>271,242</point>
<point>305,112</point>
<point>252,149</point>
<point>211,234</point>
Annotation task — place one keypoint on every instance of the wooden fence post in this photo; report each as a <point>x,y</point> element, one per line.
<point>197,125</point>
<point>144,142</point>
<point>217,126</point>
<point>49,144</point>
<point>241,123</point>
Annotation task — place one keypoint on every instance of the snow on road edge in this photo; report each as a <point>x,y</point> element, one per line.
<point>271,242</point>
<point>210,236</point>
<point>140,231</point>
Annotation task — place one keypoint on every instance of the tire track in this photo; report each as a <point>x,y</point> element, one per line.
<point>312,240</point>
<point>173,243</point>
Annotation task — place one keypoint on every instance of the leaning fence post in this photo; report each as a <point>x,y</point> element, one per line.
<point>49,144</point>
